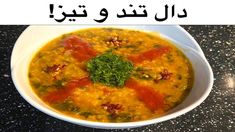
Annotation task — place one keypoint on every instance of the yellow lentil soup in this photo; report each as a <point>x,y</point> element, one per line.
<point>111,75</point>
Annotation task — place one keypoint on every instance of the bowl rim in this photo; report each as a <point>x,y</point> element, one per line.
<point>106,125</point>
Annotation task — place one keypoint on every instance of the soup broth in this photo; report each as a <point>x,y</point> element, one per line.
<point>111,75</point>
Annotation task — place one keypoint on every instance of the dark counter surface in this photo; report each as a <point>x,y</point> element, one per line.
<point>216,113</point>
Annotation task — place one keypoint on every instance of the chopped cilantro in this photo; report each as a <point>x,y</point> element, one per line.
<point>85,114</point>
<point>109,69</point>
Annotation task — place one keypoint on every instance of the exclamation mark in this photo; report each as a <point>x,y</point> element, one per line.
<point>173,10</point>
<point>51,10</point>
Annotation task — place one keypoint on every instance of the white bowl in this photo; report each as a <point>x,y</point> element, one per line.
<point>34,37</point>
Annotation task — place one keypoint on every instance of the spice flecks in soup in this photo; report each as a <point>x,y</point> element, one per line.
<point>111,75</point>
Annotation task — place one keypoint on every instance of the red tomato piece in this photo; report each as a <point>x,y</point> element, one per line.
<point>63,93</point>
<point>152,99</point>
<point>149,55</point>
<point>80,49</point>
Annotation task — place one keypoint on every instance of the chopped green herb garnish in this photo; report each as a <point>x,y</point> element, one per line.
<point>59,83</point>
<point>123,117</point>
<point>139,69</point>
<point>36,84</point>
<point>85,114</point>
<point>67,106</point>
<point>142,73</point>
<point>129,46</point>
<point>109,69</point>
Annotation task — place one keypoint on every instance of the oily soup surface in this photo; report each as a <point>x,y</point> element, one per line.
<point>111,75</point>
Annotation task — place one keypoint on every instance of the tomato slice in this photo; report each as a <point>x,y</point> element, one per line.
<point>149,55</point>
<point>152,99</point>
<point>63,93</point>
<point>80,49</point>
